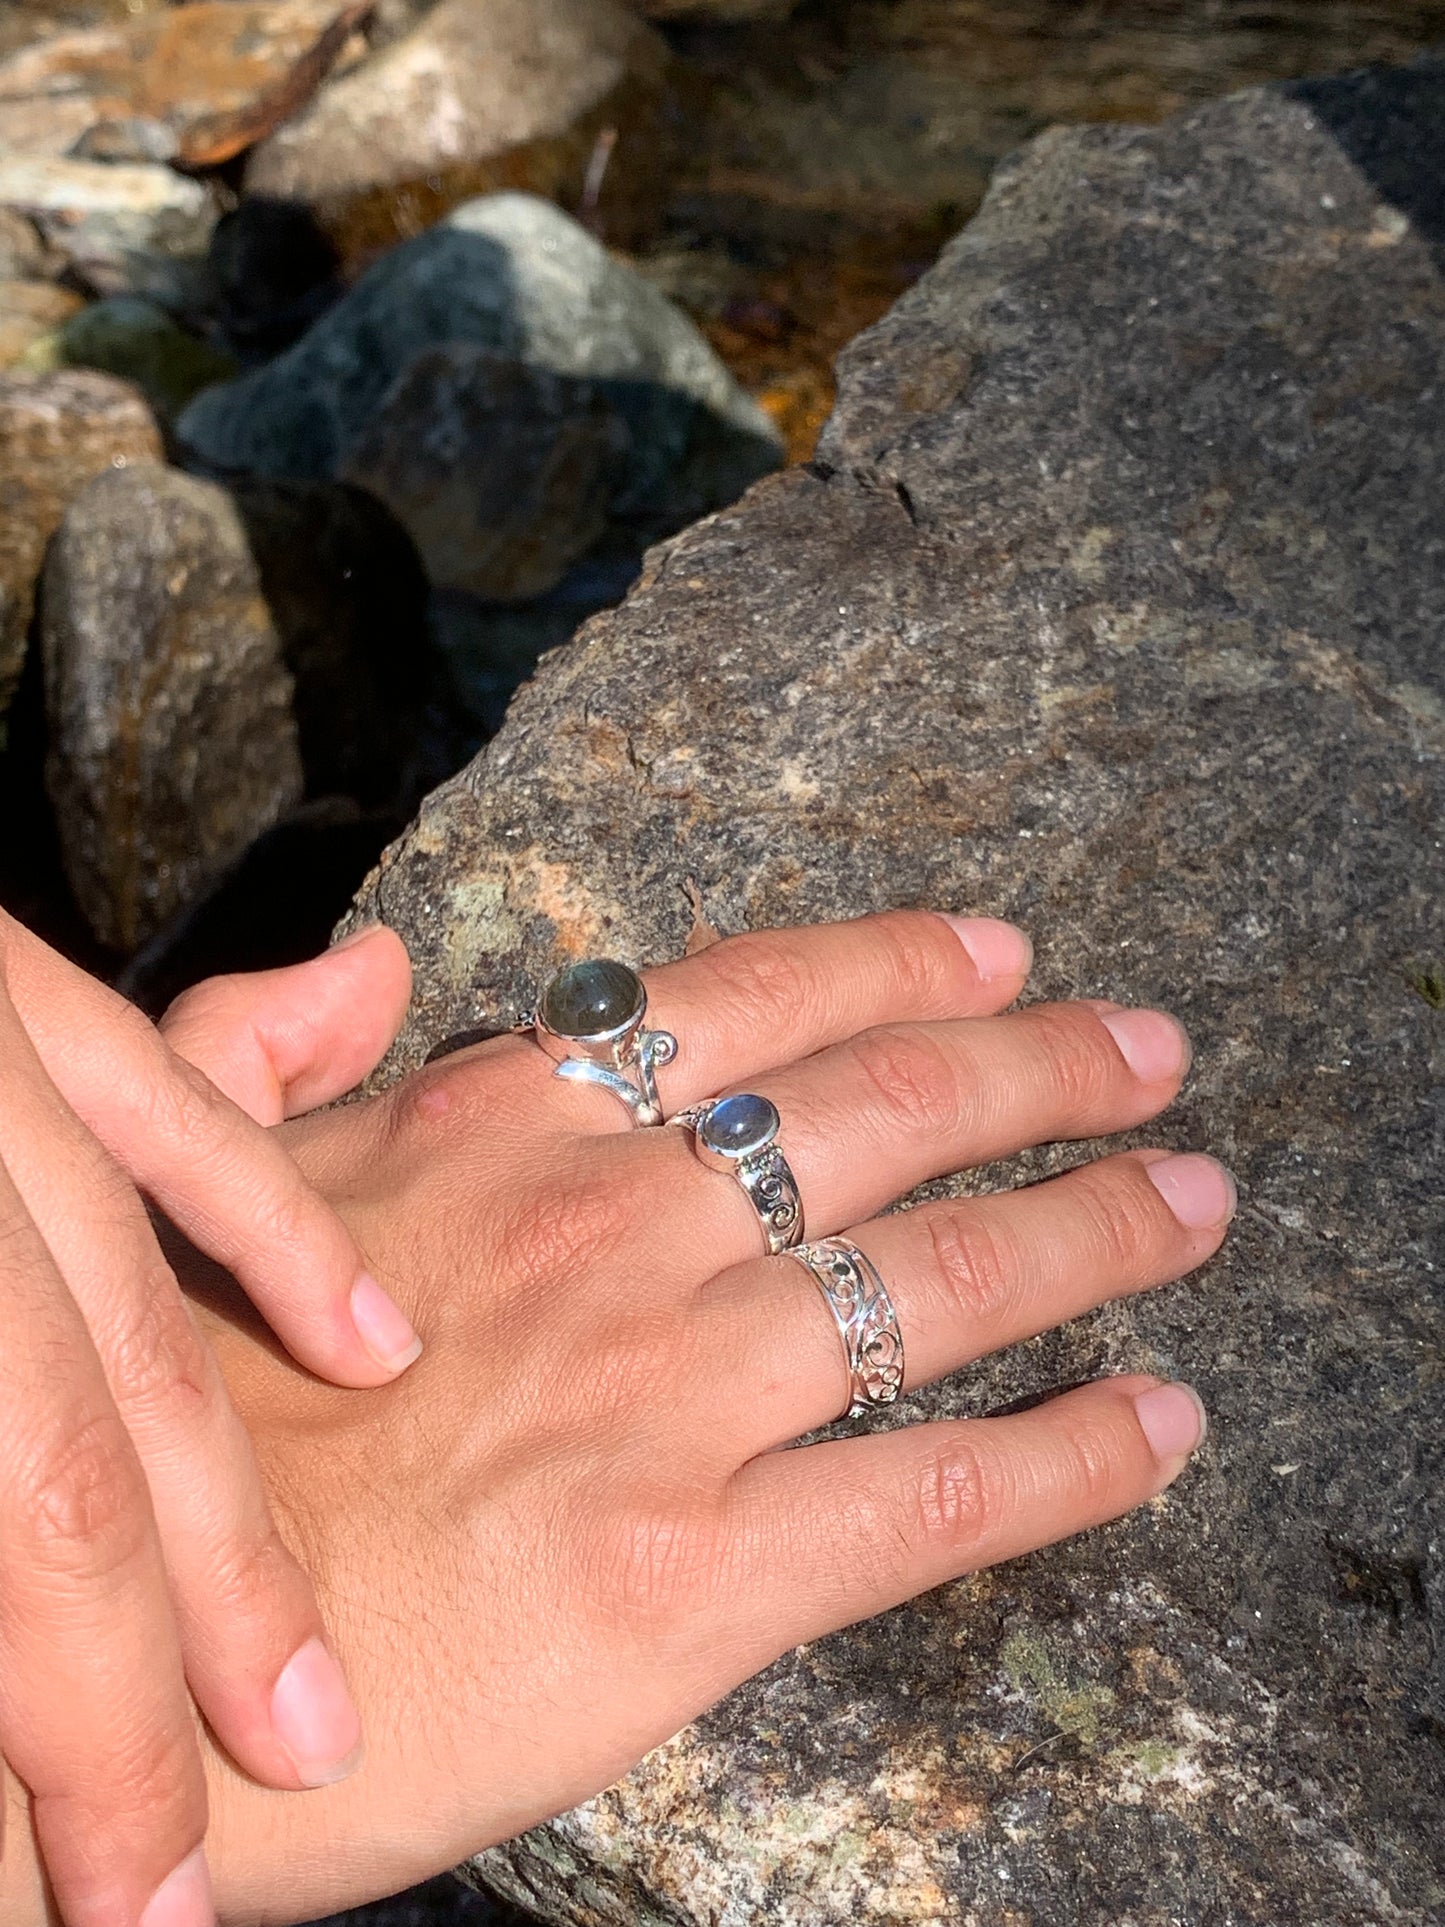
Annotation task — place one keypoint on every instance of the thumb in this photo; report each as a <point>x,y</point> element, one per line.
<point>279,1042</point>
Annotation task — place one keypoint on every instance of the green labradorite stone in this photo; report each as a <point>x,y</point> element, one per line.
<point>591,998</point>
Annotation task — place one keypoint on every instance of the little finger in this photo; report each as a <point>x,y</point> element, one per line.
<point>839,1531</point>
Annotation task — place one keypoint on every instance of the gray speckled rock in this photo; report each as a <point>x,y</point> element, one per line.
<point>512,274</point>
<point>172,742</point>
<point>1114,603</point>
<point>56,432</point>
<point>501,473</point>
<point>120,229</point>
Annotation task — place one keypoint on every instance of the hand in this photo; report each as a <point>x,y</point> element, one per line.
<point>140,1554</point>
<point>568,1530</point>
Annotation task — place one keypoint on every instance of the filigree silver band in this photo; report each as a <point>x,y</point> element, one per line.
<point>867,1322</point>
<point>739,1134</point>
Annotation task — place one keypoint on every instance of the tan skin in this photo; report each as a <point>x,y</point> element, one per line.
<point>566,1531</point>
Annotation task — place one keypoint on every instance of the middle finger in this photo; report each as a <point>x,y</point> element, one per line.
<point>866,1121</point>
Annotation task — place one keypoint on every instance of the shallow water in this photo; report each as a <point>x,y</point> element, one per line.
<point>837,150</point>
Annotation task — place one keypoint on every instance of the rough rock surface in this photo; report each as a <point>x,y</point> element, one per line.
<point>502,473</point>
<point>118,228</point>
<point>480,94</point>
<point>514,275</point>
<point>29,311</point>
<point>172,742</point>
<point>195,83</point>
<point>1113,603</point>
<point>56,432</point>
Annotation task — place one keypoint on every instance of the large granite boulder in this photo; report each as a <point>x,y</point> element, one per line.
<point>1114,603</point>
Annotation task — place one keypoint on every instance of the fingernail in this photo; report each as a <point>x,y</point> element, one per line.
<point>995,949</point>
<point>1154,1046</point>
<point>314,1717</point>
<point>1173,1419</point>
<point>1198,1190</point>
<point>353,936</point>
<point>183,1899</point>
<point>386,1331</point>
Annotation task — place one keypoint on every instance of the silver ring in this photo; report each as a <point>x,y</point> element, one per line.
<point>591,1022</point>
<point>867,1322</point>
<point>739,1134</point>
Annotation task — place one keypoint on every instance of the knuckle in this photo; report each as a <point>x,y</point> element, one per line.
<point>251,1579</point>
<point>1090,1471</point>
<point>78,1501</point>
<point>910,1076</point>
<point>977,1272</point>
<point>952,1502</point>
<point>917,951</point>
<point>151,1774</point>
<point>157,1359</point>
<point>1081,1063</point>
<point>656,1564</point>
<point>1119,1228</point>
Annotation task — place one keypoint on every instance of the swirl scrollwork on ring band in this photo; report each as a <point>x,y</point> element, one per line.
<point>739,1134</point>
<point>866,1320</point>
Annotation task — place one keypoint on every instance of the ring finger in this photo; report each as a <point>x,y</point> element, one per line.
<point>966,1277</point>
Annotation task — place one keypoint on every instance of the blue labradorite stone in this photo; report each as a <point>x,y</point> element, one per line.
<point>738,1126</point>
<point>589,999</point>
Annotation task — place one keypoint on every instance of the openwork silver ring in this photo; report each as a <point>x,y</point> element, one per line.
<point>591,1023</point>
<point>867,1322</point>
<point>739,1134</point>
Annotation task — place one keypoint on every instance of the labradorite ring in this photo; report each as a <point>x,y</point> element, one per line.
<point>592,1022</point>
<point>739,1134</point>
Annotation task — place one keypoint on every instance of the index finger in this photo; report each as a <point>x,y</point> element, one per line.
<point>753,1002</point>
<point>94,1713</point>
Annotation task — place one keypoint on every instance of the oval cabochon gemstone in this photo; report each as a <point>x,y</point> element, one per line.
<point>739,1126</point>
<point>589,999</point>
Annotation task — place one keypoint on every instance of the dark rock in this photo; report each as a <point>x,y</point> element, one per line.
<point>515,275</point>
<point>56,432</point>
<point>172,742</point>
<point>1113,603</point>
<point>482,94</point>
<point>273,271</point>
<point>491,648</point>
<point>503,474</point>
<point>348,601</point>
<point>138,341</point>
